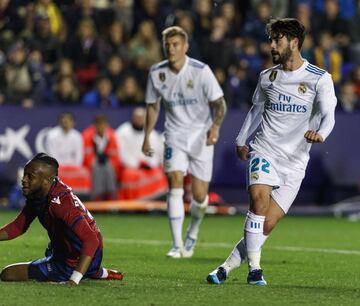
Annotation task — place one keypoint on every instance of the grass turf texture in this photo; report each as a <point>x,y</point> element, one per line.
<point>301,260</point>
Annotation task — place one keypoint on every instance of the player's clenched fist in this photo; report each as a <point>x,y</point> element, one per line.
<point>242,152</point>
<point>312,137</point>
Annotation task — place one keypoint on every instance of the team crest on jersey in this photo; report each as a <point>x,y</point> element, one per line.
<point>190,84</point>
<point>302,88</point>
<point>273,75</point>
<point>56,200</point>
<point>255,176</point>
<point>162,76</point>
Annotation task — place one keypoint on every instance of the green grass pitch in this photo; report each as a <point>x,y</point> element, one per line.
<point>307,261</point>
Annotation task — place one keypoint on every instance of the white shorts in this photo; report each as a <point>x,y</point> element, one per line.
<point>285,181</point>
<point>199,165</point>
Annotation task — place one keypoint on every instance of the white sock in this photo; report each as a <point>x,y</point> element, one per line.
<point>197,212</point>
<point>176,215</point>
<point>255,238</point>
<point>237,256</point>
<point>104,273</point>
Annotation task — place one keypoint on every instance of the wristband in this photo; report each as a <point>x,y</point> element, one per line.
<point>76,277</point>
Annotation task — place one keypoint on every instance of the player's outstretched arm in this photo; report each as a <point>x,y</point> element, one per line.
<point>218,108</point>
<point>152,114</point>
<point>313,137</point>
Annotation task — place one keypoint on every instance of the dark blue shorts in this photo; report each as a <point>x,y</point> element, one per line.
<point>55,270</point>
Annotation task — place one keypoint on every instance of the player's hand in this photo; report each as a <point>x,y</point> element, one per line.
<point>212,135</point>
<point>242,152</point>
<point>146,148</point>
<point>313,137</point>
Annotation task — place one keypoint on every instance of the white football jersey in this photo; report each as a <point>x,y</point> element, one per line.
<point>185,96</point>
<point>293,102</point>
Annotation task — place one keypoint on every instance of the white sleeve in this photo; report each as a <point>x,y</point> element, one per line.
<point>211,87</point>
<point>327,103</point>
<point>254,116</point>
<point>151,95</point>
<point>252,121</point>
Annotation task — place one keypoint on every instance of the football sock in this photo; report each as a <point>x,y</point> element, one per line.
<point>104,273</point>
<point>254,238</point>
<point>237,256</point>
<point>197,212</point>
<point>176,215</point>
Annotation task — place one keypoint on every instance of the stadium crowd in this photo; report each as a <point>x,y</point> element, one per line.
<point>98,53</point>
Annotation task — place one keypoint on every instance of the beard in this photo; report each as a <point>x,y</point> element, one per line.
<point>282,58</point>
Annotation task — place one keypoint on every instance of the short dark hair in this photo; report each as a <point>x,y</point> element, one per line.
<point>289,27</point>
<point>48,160</point>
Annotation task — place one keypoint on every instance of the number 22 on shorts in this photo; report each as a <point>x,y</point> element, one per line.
<point>259,164</point>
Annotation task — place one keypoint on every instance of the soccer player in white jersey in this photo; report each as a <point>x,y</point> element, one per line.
<point>293,107</point>
<point>194,110</point>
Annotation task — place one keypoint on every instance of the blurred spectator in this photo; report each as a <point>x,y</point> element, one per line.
<point>355,78</point>
<point>80,10</point>
<point>250,57</point>
<point>203,17</point>
<point>46,42</point>
<point>101,158</point>
<point>83,52</point>
<point>279,8</point>
<point>64,142</point>
<point>304,15</point>
<point>218,50</point>
<point>113,43</point>
<point>65,92</point>
<point>307,50</point>
<point>64,68</point>
<point>130,92</point>
<point>330,20</point>
<point>146,43</point>
<point>22,81</point>
<point>327,57</point>
<point>123,12</point>
<point>185,20</point>
<point>102,96</point>
<point>49,8</point>
<point>228,10</point>
<point>349,102</point>
<point>255,22</point>
<point>355,34</point>
<point>347,7</point>
<point>154,10</point>
<point>239,88</point>
<point>115,70</point>
<point>11,22</point>
<point>141,176</point>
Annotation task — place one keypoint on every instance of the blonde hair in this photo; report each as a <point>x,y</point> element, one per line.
<point>173,31</point>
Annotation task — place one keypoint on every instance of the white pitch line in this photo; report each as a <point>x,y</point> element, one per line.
<point>230,246</point>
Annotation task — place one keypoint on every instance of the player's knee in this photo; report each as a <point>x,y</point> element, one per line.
<point>199,197</point>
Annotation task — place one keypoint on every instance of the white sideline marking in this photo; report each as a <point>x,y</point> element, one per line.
<point>230,246</point>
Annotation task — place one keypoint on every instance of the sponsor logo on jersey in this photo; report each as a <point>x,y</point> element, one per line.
<point>162,76</point>
<point>273,75</point>
<point>302,88</point>
<point>190,84</point>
